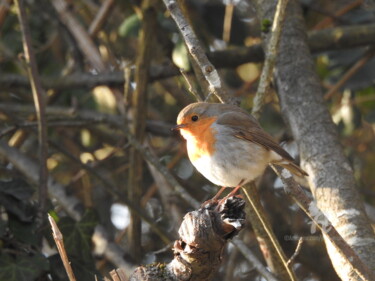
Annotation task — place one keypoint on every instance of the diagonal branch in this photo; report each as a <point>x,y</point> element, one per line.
<point>40,103</point>
<point>197,52</point>
<point>271,56</point>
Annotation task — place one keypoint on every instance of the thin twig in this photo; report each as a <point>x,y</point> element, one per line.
<point>249,255</point>
<point>348,74</point>
<point>118,275</point>
<point>319,41</point>
<point>85,43</point>
<point>306,204</point>
<point>138,127</point>
<point>57,235</point>
<point>296,252</point>
<point>4,9</point>
<point>100,17</point>
<point>330,19</point>
<point>148,156</point>
<point>267,240</point>
<point>272,237</point>
<point>227,26</point>
<point>197,52</point>
<point>271,55</point>
<point>191,88</point>
<point>39,101</point>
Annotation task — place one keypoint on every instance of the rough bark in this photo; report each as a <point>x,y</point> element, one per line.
<point>203,236</point>
<point>331,177</point>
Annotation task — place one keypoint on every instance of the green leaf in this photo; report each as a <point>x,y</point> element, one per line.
<point>24,232</point>
<point>14,197</point>
<point>77,240</point>
<point>17,188</point>
<point>77,235</point>
<point>22,267</point>
<point>83,270</point>
<point>130,26</point>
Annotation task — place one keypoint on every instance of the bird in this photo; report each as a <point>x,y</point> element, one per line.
<point>228,146</point>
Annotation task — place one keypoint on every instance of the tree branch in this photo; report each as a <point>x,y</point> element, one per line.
<point>138,127</point>
<point>330,176</point>
<point>40,104</point>
<point>197,52</point>
<point>319,41</point>
<point>271,55</point>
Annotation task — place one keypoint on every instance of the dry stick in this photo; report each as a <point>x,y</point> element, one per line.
<point>81,36</point>
<point>188,81</point>
<point>198,53</point>
<point>324,40</point>
<point>260,214</point>
<point>148,156</point>
<point>57,235</point>
<point>100,17</point>
<point>249,255</point>
<point>4,8</point>
<point>263,90</point>
<point>329,19</point>
<point>269,245</point>
<point>353,70</point>
<point>229,8</point>
<point>271,55</point>
<point>118,275</point>
<point>306,204</point>
<point>139,104</point>
<point>296,252</point>
<point>40,104</point>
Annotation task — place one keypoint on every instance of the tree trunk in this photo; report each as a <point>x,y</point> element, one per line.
<point>330,175</point>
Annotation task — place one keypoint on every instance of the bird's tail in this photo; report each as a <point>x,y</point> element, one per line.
<point>292,167</point>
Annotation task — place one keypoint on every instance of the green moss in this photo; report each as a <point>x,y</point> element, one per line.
<point>266,24</point>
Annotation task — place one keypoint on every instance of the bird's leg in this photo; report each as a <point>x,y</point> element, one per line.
<point>214,199</point>
<point>218,193</point>
<point>232,193</point>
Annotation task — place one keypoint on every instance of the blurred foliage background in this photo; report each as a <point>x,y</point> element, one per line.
<point>86,53</point>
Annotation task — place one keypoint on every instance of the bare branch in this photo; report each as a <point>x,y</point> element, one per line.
<point>83,39</point>
<point>271,56</point>
<point>262,228</point>
<point>197,52</point>
<point>40,104</point>
<point>242,247</point>
<point>348,74</point>
<point>296,252</point>
<point>57,235</point>
<point>100,17</point>
<point>319,41</point>
<point>330,176</point>
<point>307,205</point>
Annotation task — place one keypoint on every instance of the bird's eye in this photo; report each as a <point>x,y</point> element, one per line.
<point>194,118</point>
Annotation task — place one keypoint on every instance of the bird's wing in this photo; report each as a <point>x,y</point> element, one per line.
<point>246,127</point>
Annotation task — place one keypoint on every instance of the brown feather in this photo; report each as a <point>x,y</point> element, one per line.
<point>246,127</point>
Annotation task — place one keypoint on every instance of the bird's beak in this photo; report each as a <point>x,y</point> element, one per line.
<point>178,127</point>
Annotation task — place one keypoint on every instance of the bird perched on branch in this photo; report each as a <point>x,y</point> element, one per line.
<point>228,146</point>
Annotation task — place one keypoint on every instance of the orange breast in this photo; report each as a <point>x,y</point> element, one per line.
<point>200,138</point>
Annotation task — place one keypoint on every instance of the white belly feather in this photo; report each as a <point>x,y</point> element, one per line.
<point>233,162</point>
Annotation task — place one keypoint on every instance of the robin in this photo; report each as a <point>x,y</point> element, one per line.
<point>228,146</point>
